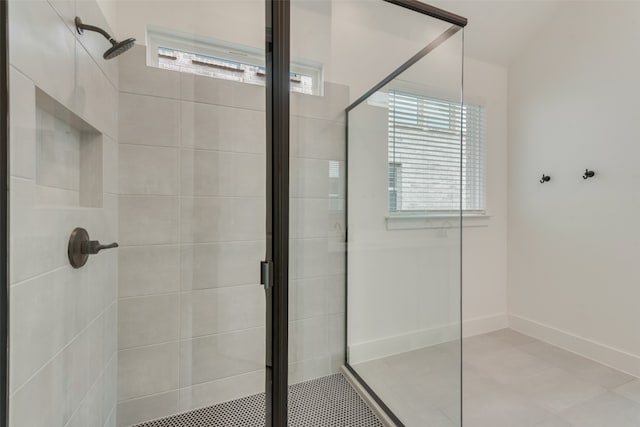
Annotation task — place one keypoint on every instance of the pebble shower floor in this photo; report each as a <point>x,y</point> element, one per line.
<point>323,402</point>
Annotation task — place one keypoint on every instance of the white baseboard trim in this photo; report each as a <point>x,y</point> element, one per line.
<point>484,324</point>
<point>601,353</point>
<point>414,340</point>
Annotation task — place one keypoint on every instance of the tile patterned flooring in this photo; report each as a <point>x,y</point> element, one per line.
<point>510,380</point>
<point>328,401</point>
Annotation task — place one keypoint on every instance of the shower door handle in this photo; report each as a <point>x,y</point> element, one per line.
<point>266,274</point>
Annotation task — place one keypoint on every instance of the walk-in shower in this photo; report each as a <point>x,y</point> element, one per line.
<point>269,248</point>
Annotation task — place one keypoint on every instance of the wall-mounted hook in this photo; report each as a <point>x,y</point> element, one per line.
<point>545,178</point>
<point>588,174</point>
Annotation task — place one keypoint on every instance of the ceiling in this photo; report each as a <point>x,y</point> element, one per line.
<point>499,30</point>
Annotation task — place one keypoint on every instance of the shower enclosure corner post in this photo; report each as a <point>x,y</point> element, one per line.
<point>4,212</point>
<point>277,195</point>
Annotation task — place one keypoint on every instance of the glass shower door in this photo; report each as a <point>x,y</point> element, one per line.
<point>375,238</point>
<point>406,140</point>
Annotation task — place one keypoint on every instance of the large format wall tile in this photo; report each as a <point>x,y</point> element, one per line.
<point>213,265</point>
<point>224,390</point>
<point>330,106</point>
<point>149,120</point>
<point>146,270</point>
<point>308,339</point>
<point>308,297</point>
<point>110,169</point>
<point>22,95</point>
<point>221,237</point>
<point>42,316</point>
<point>146,220</point>
<point>63,320</point>
<point>215,127</point>
<point>213,311</point>
<point>206,90</point>
<point>148,320</point>
<point>149,170</point>
<point>91,13</point>
<point>222,219</point>
<point>219,356</point>
<point>317,138</point>
<point>309,217</point>
<point>58,387</point>
<point>136,411</point>
<point>38,37</point>
<point>309,178</point>
<point>96,97</point>
<point>147,370</point>
<point>137,77</point>
<point>221,173</point>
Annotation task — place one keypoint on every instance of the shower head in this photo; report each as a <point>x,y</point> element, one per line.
<point>116,48</point>
<point>119,48</point>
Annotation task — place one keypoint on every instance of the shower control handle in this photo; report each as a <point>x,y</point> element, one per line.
<point>92,247</point>
<point>81,246</point>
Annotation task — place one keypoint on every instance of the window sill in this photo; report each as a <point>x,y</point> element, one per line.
<point>420,221</point>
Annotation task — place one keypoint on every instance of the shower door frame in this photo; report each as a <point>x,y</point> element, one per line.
<point>4,213</point>
<point>277,61</point>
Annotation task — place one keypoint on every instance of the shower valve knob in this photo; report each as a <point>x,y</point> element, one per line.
<point>80,247</point>
<point>92,247</point>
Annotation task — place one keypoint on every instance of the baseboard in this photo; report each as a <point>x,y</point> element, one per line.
<point>598,352</point>
<point>414,340</point>
<point>484,324</point>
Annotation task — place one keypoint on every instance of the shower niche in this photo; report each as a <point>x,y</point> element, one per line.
<point>68,157</point>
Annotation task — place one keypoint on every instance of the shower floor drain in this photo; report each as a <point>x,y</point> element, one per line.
<point>324,402</point>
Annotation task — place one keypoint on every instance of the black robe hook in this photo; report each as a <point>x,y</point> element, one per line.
<point>545,178</point>
<point>588,174</point>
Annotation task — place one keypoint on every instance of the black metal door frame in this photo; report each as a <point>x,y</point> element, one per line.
<point>4,212</point>
<point>275,269</point>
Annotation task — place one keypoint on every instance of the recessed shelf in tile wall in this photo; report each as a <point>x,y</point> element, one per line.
<point>68,156</point>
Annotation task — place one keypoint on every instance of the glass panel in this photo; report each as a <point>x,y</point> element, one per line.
<point>404,173</point>
<point>399,282</point>
<point>169,164</point>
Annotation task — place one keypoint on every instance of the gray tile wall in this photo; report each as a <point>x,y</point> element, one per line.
<point>192,225</point>
<point>63,322</point>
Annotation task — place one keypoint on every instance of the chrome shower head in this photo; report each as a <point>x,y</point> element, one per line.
<point>116,48</point>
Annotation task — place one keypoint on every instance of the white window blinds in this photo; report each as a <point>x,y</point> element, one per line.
<point>425,167</point>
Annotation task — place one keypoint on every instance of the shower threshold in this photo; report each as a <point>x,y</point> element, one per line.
<point>322,402</point>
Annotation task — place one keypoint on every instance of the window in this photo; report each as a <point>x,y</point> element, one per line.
<point>424,155</point>
<point>187,53</point>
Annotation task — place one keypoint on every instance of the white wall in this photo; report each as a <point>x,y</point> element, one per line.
<point>573,244</point>
<point>484,256</point>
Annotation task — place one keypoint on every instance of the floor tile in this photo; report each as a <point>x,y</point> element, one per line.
<point>630,390</point>
<point>607,410</point>
<point>508,380</point>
